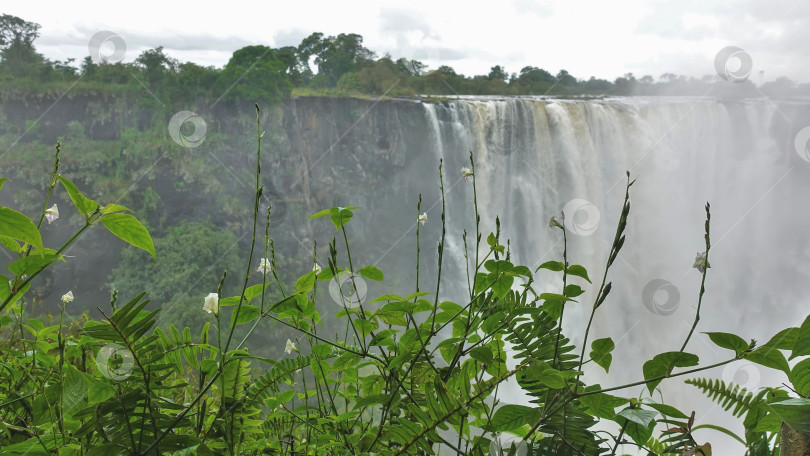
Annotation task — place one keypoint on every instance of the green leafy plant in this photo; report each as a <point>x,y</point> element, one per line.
<point>21,235</point>
<point>767,411</point>
<point>410,374</point>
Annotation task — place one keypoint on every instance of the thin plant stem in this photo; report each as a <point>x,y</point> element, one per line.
<point>618,241</point>
<point>619,437</point>
<point>51,186</point>
<point>418,213</point>
<point>565,279</point>
<point>702,281</point>
<point>477,221</point>
<point>440,250</point>
<point>257,198</point>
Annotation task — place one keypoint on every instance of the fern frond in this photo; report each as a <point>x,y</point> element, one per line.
<point>411,437</point>
<point>235,378</point>
<point>571,423</point>
<point>268,383</point>
<point>727,396</point>
<point>534,335</point>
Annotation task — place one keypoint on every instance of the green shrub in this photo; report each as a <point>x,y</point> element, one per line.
<point>409,375</point>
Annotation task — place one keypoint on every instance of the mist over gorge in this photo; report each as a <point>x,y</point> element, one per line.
<point>391,160</point>
<point>533,156</point>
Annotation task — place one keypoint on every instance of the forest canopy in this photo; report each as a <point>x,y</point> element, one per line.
<point>320,65</point>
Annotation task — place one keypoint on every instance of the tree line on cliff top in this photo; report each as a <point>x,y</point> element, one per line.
<point>320,65</point>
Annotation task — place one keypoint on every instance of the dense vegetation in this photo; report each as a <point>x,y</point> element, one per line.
<point>400,375</point>
<point>408,376</point>
<point>344,66</point>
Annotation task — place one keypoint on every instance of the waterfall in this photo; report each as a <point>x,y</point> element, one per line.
<point>535,157</point>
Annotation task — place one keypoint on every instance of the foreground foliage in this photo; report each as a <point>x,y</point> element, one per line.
<point>410,375</point>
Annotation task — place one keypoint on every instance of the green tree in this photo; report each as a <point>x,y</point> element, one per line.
<point>443,79</point>
<point>17,32</point>
<point>447,70</point>
<point>194,82</point>
<point>411,67</point>
<point>377,78</point>
<point>296,70</point>
<point>17,45</point>
<point>780,87</point>
<point>594,85</point>
<point>64,68</point>
<point>336,55</point>
<point>155,65</point>
<point>626,84</point>
<point>349,83</point>
<point>255,74</point>
<point>565,78</point>
<point>113,73</point>
<point>88,67</point>
<point>534,80</point>
<point>311,46</point>
<point>497,73</point>
<point>192,258</point>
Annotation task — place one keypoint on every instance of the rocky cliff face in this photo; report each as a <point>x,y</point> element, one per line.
<point>534,158</point>
<point>318,153</point>
<point>377,155</point>
<point>349,151</point>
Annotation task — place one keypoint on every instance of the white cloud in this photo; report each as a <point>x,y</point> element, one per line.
<point>586,38</point>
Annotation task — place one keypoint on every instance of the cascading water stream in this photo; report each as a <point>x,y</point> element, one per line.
<point>536,157</point>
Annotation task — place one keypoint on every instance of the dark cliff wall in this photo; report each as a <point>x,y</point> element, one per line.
<point>377,155</point>
<point>317,153</point>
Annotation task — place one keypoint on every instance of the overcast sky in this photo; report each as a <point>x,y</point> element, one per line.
<point>587,37</point>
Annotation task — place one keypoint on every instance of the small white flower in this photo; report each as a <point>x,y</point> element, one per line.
<point>466,173</point>
<point>290,347</point>
<point>701,264</point>
<point>422,218</point>
<point>554,222</point>
<point>211,303</point>
<point>67,297</point>
<point>264,266</point>
<point>52,213</point>
<point>317,269</point>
